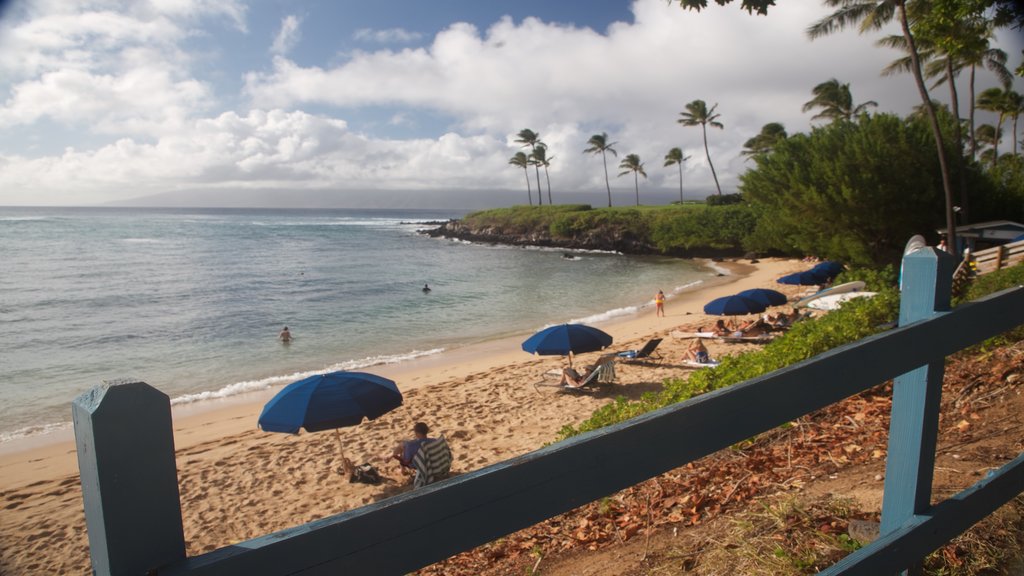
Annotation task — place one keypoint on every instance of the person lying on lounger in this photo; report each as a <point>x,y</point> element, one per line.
<point>573,379</point>
<point>755,327</point>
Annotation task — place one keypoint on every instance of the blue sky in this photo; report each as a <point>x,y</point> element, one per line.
<point>106,100</point>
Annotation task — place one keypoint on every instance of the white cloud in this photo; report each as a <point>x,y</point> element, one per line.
<point>288,36</point>
<point>389,36</point>
<point>127,76</point>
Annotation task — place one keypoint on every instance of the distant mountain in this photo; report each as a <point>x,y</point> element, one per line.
<point>284,198</point>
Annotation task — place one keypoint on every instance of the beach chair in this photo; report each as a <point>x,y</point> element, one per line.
<point>591,379</point>
<point>433,461</point>
<point>647,353</point>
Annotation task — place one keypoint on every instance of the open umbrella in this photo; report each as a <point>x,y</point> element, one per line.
<point>734,305</point>
<point>329,401</point>
<point>830,268</point>
<point>765,296</point>
<point>564,339</point>
<point>806,278</point>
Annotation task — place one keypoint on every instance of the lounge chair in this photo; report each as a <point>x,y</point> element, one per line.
<point>432,462</point>
<point>648,352</point>
<point>602,371</point>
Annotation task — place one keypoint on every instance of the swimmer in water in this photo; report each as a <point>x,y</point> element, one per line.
<point>285,336</point>
<point>426,288</point>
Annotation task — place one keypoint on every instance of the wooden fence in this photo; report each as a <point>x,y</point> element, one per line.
<point>132,507</point>
<point>999,257</point>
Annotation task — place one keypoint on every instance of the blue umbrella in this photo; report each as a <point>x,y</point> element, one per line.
<point>733,305</point>
<point>765,296</point>
<point>830,268</point>
<point>805,278</point>
<point>566,338</point>
<point>327,401</point>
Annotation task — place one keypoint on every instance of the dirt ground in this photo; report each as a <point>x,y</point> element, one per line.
<point>794,500</point>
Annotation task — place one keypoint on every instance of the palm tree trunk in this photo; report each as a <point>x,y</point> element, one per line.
<point>537,170</point>
<point>974,141</point>
<point>604,157</point>
<point>704,127</point>
<point>999,136</point>
<point>680,182</point>
<point>636,185</point>
<point>529,193</point>
<point>1015,133</point>
<point>959,136</point>
<point>947,186</point>
<point>548,178</point>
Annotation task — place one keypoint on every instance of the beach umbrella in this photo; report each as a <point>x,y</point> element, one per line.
<point>830,268</point>
<point>765,296</point>
<point>806,278</point>
<point>564,339</point>
<point>733,305</point>
<point>329,401</point>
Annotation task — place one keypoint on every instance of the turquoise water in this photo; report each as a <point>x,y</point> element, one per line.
<point>191,301</point>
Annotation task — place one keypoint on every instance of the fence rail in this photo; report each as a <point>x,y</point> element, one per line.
<point>416,529</point>
<point>999,257</point>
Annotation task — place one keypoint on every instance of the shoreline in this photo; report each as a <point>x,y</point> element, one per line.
<point>222,415</point>
<point>237,482</point>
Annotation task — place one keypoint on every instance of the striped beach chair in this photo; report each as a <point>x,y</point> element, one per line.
<point>432,462</point>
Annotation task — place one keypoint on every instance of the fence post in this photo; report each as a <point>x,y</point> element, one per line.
<point>125,445</point>
<point>910,462</point>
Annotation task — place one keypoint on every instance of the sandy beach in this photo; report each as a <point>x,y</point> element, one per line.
<point>238,482</point>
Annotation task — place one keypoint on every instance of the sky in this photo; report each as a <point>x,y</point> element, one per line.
<point>106,101</point>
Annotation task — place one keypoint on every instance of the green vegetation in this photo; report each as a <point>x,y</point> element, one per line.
<point>855,320</point>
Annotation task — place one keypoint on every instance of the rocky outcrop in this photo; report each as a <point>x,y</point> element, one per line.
<point>606,239</point>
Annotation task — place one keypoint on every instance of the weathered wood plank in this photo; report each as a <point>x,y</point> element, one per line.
<point>413,530</point>
<point>926,532</point>
<point>913,428</point>
<point>126,462</point>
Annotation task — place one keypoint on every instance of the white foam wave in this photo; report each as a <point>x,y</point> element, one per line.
<point>683,287</point>
<point>248,386</point>
<point>606,315</point>
<point>23,218</point>
<point>719,269</point>
<point>36,430</point>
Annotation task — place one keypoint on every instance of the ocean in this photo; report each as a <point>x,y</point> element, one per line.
<point>191,301</point>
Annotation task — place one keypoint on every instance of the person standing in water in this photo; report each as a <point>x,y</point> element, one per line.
<point>659,303</point>
<point>285,336</point>
<point>426,288</point>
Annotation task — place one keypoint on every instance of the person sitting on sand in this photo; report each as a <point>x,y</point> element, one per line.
<point>406,450</point>
<point>697,352</point>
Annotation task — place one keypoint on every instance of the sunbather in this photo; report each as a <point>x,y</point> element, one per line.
<point>573,379</point>
<point>697,352</point>
<point>721,329</point>
<point>406,450</point>
<point>755,327</point>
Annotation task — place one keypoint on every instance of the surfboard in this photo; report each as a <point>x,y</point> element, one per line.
<point>855,286</point>
<point>833,301</point>
<point>692,364</point>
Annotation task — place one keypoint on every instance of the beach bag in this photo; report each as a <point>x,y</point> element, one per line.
<point>365,474</point>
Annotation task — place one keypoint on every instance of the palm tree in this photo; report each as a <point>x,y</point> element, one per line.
<point>697,113</point>
<point>988,135</point>
<point>835,101</point>
<point>632,163</point>
<point>600,143</point>
<point>1014,108</point>
<point>540,158</point>
<point>874,15</point>
<point>675,156</point>
<point>520,160</point>
<point>995,100</point>
<point>771,134</point>
<point>530,138</point>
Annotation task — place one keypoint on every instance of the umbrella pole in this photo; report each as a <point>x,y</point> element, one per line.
<point>346,466</point>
